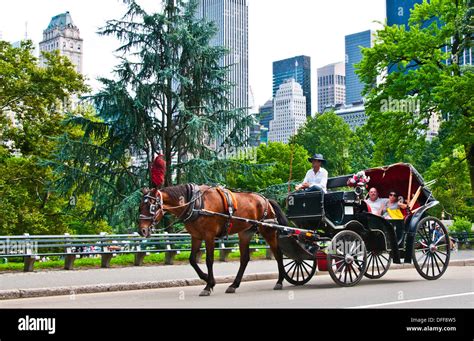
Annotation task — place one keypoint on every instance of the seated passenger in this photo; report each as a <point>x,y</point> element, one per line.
<point>394,206</point>
<point>315,177</point>
<point>376,204</point>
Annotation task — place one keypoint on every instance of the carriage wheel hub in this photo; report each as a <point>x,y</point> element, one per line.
<point>433,248</point>
<point>349,259</point>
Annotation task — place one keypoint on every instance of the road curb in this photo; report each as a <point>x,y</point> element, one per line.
<point>102,288</point>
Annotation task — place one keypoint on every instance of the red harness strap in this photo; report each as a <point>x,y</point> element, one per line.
<point>230,206</point>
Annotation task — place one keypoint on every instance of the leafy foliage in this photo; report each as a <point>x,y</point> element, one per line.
<point>272,168</point>
<point>170,94</point>
<point>329,135</point>
<point>32,104</point>
<point>461,224</point>
<point>423,64</point>
<point>452,188</point>
<point>32,98</point>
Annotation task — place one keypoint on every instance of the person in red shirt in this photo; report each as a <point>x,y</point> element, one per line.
<point>158,171</point>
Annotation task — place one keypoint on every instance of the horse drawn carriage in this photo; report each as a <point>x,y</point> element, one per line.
<point>333,231</point>
<point>350,242</point>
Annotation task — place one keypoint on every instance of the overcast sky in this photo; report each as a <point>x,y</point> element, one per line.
<point>278,29</point>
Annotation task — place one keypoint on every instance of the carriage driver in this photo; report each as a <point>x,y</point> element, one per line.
<point>315,178</point>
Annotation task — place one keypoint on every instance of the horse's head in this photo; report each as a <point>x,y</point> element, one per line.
<point>151,211</point>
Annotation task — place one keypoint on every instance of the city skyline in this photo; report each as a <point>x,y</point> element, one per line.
<point>317,32</point>
<point>298,68</point>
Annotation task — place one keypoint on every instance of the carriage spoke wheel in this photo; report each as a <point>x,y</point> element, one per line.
<point>298,272</point>
<point>347,258</point>
<point>431,249</point>
<point>378,263</point>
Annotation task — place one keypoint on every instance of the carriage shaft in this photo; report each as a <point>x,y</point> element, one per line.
<point>256,222</point>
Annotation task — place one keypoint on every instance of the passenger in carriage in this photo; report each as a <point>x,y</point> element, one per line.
<point>315,178</point>
<point>394,206</point>
<point>376,204</point>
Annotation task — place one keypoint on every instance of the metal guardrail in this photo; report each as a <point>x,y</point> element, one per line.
<point>463,237</point>
<point>71,247</point>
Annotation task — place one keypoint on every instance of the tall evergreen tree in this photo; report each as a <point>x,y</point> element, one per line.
<point>170,95</point>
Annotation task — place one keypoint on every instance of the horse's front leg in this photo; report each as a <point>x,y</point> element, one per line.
<point>211,282</point>
<point>195,250</point>
<point>244,241</point>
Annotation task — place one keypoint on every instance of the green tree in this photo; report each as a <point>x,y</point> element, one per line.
<point>28,206</point>
<point>170,94</point>
<point>330,135</point>
<point>423,67</point>
<point>361,149</point>
<point>33,99</point>
<point>32,104</point>
<point>452,187</point>
<point>271,167</point>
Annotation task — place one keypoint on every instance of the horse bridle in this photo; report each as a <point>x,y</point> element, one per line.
<point>155,208</point>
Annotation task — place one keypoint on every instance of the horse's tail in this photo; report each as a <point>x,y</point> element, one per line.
<point>280,215</point>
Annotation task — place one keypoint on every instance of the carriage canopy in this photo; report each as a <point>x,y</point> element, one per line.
<point>402,178</point>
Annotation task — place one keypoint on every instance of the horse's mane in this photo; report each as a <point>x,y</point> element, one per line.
<point>178,192</point>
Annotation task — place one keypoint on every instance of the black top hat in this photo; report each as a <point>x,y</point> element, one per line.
<point>318,157</point>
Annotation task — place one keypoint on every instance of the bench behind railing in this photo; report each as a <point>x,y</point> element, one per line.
<point>31,247</point>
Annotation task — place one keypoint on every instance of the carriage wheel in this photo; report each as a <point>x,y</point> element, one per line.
<point>298,272</point>
<point>347,258</point>
<point>378,263</point>
<point>431,249</point>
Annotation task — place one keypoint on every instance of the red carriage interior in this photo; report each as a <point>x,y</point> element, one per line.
<point>396,178</point>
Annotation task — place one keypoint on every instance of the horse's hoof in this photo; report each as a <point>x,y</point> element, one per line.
<point>278,286</point>
<point>230,290</point>
<point>205,293</point>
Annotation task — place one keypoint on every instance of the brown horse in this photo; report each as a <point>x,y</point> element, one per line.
<point>180,201</point>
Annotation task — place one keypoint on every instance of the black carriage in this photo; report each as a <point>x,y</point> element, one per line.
<point>336,231</point>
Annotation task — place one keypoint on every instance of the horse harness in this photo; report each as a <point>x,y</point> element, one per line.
<point>195,206</point>
<point>230,206</point>
<point>195,203</point>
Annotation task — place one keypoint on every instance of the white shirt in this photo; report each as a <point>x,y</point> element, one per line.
<point>320,178</point>
<point>376,206</point>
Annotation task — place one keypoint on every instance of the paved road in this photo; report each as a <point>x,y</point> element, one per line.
<point>398,289</point>
<point>62,278</point>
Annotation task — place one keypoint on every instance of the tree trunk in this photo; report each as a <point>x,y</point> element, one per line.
<point>470,163</point>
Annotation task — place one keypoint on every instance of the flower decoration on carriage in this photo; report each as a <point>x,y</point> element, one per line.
<point>358,180</point>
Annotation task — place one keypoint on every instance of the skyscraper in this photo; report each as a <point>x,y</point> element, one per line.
<point>298,68</point>
<point>289,112</point>
<point>265,113</point>
<point>61,34</point>
<point>354,43</point>
<point>231,19</point>
<point>331,85</point>
<point>398,11</point>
